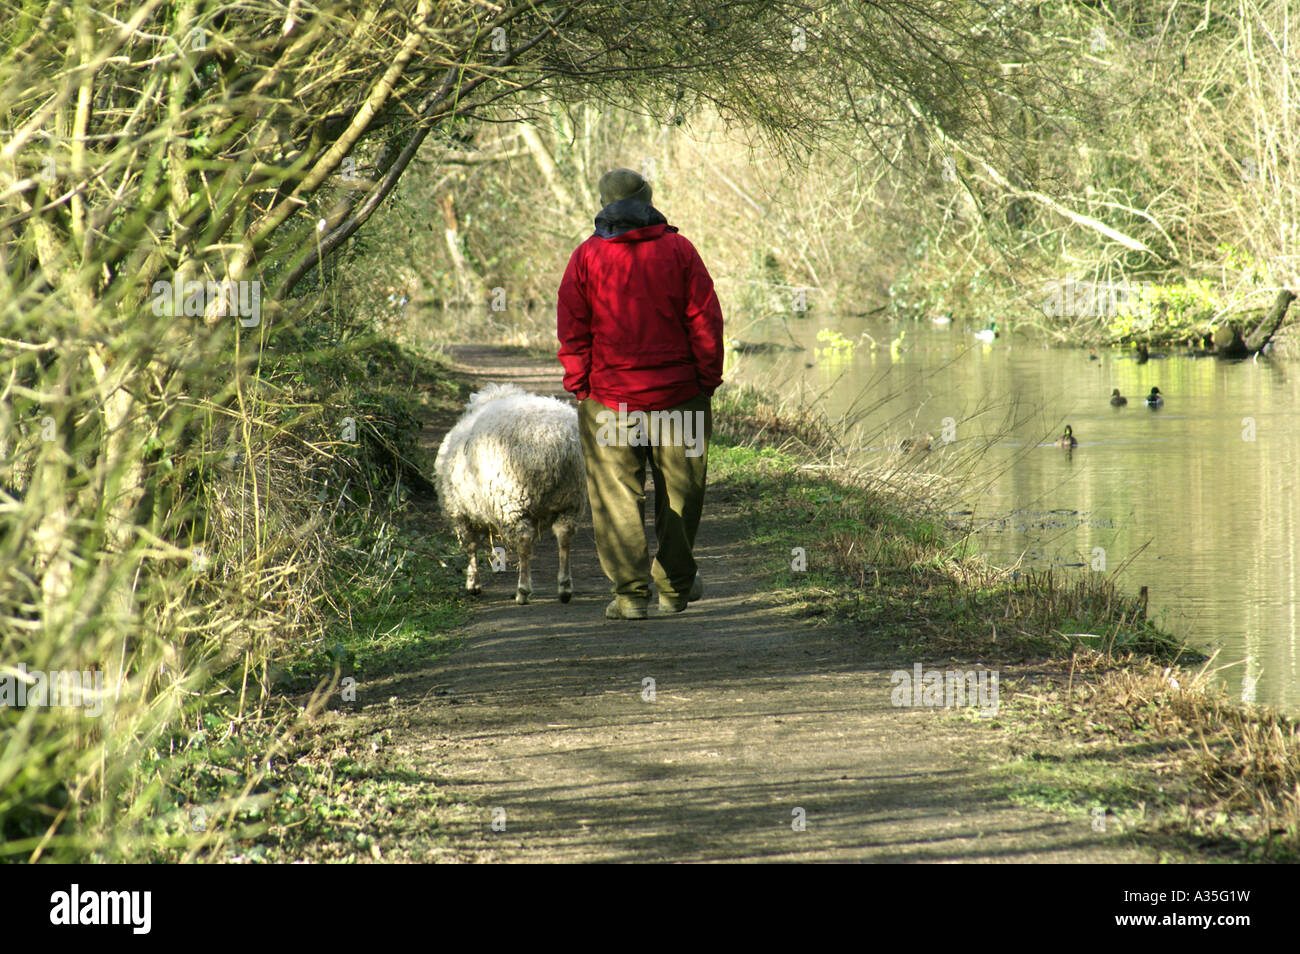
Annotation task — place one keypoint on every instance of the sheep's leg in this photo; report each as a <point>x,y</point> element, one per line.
<point>471,572</point>
<point>564,530</point>
<point>521,540</point>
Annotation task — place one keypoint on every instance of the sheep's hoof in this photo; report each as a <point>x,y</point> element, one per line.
<point>521,597</point>
<point>566,596</point>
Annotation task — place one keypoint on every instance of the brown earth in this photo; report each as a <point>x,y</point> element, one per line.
<point>543,722</point>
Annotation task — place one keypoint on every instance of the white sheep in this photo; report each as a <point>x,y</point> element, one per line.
<point>513,465</point>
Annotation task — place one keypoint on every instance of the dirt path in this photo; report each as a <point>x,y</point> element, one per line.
<point>755,717</point>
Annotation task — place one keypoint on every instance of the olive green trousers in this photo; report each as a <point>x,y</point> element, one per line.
<point>617,447</point>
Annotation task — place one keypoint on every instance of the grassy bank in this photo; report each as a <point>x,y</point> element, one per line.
<point>297,780</point>
<point>1108,716</point>
<point>315,572</point>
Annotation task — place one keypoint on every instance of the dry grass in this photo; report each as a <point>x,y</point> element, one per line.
<point>1236,765</point>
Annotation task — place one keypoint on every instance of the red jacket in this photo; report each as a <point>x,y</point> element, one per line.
<point>639,323</point>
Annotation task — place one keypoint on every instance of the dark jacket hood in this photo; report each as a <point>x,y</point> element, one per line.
<point>627,215</point>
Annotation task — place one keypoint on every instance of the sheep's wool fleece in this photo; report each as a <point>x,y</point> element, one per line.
<point>512,456</point>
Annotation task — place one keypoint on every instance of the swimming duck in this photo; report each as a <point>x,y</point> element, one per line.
<point>942,320</point>
<point>1067,441</point>
<point>1154,399</point>
<point>1092,354</point>
<point>987,335</point>
<point>1117,399</point>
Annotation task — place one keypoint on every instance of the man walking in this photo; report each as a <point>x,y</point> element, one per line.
<point>640,334</point>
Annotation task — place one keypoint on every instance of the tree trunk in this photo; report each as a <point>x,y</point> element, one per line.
<point>546,164</point>
<point>469,285</point>
<point>1267,328</point>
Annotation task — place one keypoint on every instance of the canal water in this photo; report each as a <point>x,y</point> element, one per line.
<point>1198,500</point>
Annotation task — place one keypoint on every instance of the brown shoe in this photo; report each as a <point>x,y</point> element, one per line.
<point>667,605</point>
<point>625,607</point>
<point>676,604</point>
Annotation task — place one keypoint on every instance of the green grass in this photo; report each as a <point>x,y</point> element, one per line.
<point>407,618</point>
